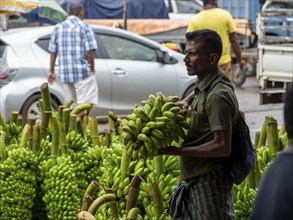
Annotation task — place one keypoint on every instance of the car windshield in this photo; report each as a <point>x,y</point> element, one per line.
<point>188,7</point>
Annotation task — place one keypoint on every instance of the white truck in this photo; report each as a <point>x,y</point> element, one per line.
<point>275,52</point>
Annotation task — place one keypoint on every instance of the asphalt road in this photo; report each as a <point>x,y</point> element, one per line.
<point>248,97</point>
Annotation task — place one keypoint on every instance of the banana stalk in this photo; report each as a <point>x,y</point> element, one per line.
<point>13,117</point>
<point>108,138</point>
<point>68,103</point>
<point>91,188</point>
<point>66,119</point>
<point>113,206</point>
<point>84,215</point>
<point>3,153</point>
<point>272,136</point>
<point>82,107</point>
<point>79,126</point>
<point>19,120</point>
<point>72,122</point>
<point>159,165</point>
<point>156,198</point>
<point>36,137</point>
<point>100,201</point>
<point>45,94</point>
<point>94,131</point>
<point>87,201</point>
<point>31,122</point>
<point>25,136</point>
<point>62,137</point>
<point>55,139</point>
<point>133,192</point>
<point>262,136</point>
<point>60,112</point>
<point>125,161</point>
<point>45,123</point>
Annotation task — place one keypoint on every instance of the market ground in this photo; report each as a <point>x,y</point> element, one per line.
<point>248,97</point>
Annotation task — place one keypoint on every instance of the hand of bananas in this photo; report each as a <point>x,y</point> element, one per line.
<point>153,126</point>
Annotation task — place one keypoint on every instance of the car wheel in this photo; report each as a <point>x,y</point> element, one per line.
<point>31,108</point>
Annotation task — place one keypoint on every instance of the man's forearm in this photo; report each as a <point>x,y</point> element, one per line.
<point>52,61</point>
<point>91,59</point>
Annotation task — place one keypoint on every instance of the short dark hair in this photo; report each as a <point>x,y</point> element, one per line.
<point>288,108</point>
<point>75,9</point>
<point>212,40</point>
<point>206,2</point>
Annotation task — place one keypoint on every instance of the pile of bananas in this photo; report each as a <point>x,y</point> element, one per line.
<point>62,195</point>
<point>155,125</point>
<point>243,197</point>
<point>18,184</point>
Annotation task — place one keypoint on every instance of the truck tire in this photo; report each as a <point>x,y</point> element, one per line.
<point>31,108</point>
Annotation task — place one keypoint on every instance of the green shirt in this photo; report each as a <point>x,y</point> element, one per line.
<point>213,109</point>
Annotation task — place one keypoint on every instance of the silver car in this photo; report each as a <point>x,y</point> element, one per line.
<point>129,67</point>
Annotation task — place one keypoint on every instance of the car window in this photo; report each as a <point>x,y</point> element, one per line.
<point>124,49</point>
<point>188,7</point>
<point>2,48</point>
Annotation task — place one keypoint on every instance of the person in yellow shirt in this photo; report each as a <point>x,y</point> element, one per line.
<point>221,21</point>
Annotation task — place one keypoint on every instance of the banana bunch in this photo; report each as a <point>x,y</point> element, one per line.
<point>76,142</point>
<point>156,124</point>
<point>171,165</point>
<point>62,195</point>
<point>17,184</point>
<point>264,159</point>
<point>243,197</point>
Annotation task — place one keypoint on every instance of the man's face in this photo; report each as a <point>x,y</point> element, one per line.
<point>196,59</point>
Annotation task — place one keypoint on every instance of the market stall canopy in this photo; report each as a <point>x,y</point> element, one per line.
<point>48,11</point>
<point>113,9</point>
<point>17,6</point>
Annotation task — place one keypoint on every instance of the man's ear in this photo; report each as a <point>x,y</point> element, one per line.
<point>214,58</point>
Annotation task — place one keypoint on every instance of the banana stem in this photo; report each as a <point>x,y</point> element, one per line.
<point>60,112</point>
<point>25,136</point>
<point>62,137</point>
<point>159,165</point>
<point>132,214</point>
<point>87,201</point>
<point>3,153</point>
<point>133,192</point>
<point>45,94</point>
<point>68,103</point>
<point>13,117</point>
<point>125,161</point>
<point>156,198</point>
<point>91,188</point>
<point>72,123</point>
<point>55,139</point>
<point>113,206</point>
<point>273,139</point>
<point>45,123</point>
<point>262,136</point>
<point>36,137</point>
<point>84,215</point>
<point>66,119</point>
<point>94,131</point>
<point>81,107</point>
<point>100,201</point>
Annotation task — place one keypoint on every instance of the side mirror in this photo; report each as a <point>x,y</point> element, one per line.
<point>165,58</point>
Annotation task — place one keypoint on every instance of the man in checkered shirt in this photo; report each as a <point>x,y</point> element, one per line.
<point>74,43</point>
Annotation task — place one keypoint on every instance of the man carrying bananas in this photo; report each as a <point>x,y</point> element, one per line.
<point>274,198</point>
<point>206,192</point>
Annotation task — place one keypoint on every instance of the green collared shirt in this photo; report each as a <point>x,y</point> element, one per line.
<point>213,109</point>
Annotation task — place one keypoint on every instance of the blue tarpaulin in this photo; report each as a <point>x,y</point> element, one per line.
<point>113,9</point>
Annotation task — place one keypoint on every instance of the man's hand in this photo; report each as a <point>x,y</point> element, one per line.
<point>51,78</point>
<point>241,64</point>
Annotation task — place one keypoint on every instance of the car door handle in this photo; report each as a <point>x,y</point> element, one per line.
<point>119,72</point>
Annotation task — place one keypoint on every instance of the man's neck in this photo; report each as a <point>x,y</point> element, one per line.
<point>209,6</point>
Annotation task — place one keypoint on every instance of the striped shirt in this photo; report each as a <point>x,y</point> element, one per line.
<point>70,40</point>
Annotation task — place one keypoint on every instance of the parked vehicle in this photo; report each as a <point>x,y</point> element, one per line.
<point>275,53</point>
<point>129,67</point>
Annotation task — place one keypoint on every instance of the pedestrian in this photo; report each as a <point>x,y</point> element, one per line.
<point>204,154</point>
<point>221,21</point>
<point>73,41</point>
<point>274,197</point>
